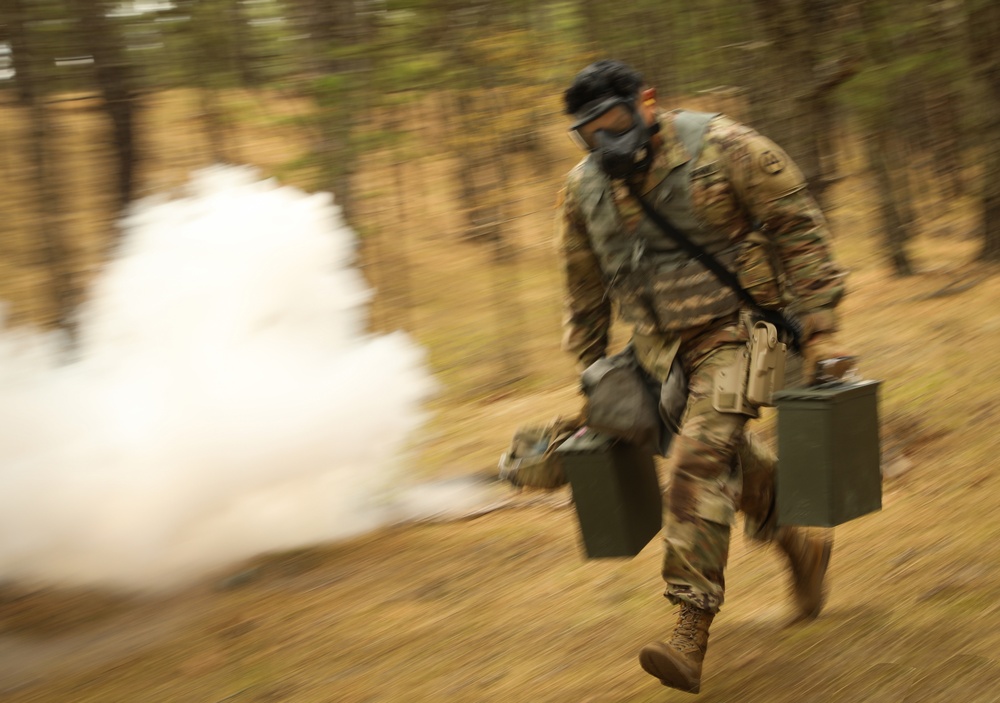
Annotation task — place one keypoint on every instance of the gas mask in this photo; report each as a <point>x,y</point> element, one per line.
<point>621,144</point>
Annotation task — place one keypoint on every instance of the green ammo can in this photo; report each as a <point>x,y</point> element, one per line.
<point>616,493</point>
<point>828,454</point>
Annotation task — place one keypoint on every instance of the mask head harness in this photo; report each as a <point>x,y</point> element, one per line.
<point>623,148</point>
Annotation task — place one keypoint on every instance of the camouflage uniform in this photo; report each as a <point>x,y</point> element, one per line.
<point>751,204</point>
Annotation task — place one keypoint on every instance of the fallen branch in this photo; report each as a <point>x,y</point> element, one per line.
<point>953,288</point>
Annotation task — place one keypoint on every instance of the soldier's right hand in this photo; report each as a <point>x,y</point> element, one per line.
<point>824,359</point>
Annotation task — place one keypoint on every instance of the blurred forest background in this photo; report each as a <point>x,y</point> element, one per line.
<point>438,121</point>
<point>437,124</point>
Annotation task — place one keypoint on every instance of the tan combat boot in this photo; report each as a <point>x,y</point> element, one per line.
<point>678,663</point>
<point>809,558</point>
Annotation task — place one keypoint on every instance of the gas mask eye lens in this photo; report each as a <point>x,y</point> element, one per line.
<point>579,140</point>
<point>617,136</point>
<point>612,115</point>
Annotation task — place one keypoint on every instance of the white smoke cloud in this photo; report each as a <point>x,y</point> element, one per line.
<point>224,401</point>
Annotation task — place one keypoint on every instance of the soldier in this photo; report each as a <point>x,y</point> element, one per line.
<point>740,197</point>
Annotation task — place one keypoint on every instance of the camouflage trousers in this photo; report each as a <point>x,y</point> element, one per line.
<point>717,468</point>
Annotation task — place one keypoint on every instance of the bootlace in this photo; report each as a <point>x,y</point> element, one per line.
<point>686,632</point>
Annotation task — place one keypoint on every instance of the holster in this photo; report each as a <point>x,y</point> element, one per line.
<point>757,372</point>
<point>767,364</point>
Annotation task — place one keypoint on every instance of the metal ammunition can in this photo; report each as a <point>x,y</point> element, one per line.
<point>828,454</point>
<point>616,494</point>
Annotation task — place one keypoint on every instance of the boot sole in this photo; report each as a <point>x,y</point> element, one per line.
<point>656,662</point>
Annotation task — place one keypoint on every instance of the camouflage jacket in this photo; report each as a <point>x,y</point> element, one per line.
<point>741,185</point>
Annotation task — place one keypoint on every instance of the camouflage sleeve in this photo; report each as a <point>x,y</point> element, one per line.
<point>588,309</point>
<point>773,190</point>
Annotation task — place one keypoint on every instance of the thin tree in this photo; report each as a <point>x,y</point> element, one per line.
<point>115,77</point>
<point>984,45</point>
<point>896,222</point>
<point>51,251</point>
<point>797,79</point>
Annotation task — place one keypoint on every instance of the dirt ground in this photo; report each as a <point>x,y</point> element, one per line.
<point>503,606</point>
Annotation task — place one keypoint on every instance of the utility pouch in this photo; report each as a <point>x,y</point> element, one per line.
<point>729,392</point>
<point>620,402</point>
<point>767,365</point>
<point>673,402</point>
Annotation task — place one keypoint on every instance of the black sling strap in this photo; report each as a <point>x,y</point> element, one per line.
<point>725,276</point>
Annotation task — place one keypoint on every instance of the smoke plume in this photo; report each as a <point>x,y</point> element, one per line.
<point>224,399</point>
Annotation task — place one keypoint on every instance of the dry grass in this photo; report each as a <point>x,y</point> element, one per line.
<point>503,607</point>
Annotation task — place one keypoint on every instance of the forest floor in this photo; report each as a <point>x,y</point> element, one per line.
<point>503,606</point>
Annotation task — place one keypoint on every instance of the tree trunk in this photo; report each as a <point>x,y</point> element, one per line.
<point>114,76</point>
<point>592,24</point>
<point>474,124</point>
<point>943,98</point>
<point>338,87</point>
<point>401,231</point>
<point>507,277</point>
<point>990,250</point>
<point>984,43</point>
<point>214,120</point>
<point>895,227</point>
<point>796,86</point>
<point>52,251</point>
<point>242,44</point>
<point>18,52</point>
<point>789,75</point>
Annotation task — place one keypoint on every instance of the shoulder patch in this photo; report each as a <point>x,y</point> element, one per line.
<point>770,170</point>
<point>771,162</point>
